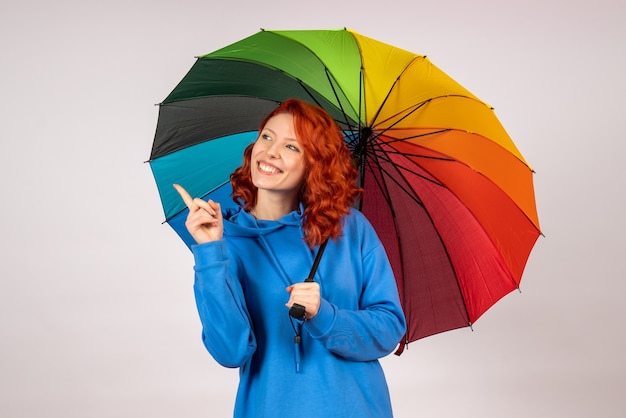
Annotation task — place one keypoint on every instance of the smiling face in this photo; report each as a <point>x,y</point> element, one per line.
<point>277,164</point>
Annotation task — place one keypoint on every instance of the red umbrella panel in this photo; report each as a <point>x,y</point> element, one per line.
<point>456,241</point>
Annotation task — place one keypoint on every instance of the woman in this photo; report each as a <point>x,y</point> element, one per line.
<point>295,190</point>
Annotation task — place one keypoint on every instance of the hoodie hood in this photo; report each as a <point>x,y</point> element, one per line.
<point>238,222</point>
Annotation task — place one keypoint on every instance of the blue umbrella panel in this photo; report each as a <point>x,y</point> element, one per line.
<point>204,170</point>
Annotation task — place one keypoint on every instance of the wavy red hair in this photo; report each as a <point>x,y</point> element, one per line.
<point>329,188</point>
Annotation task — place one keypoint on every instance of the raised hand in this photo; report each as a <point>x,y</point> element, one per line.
<point>204,221</point>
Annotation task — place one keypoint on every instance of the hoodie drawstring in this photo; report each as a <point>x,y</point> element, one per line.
<point>297,340</point>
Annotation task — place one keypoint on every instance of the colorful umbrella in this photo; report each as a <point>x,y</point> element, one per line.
<point>446,189</point>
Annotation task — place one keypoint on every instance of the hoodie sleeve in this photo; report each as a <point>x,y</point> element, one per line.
<point>226,327</point>
<point>374,329</point>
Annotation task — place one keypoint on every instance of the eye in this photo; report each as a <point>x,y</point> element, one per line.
<point>266,137</point>
<point>293,148</point>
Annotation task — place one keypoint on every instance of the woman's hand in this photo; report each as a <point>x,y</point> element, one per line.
<point>306,294</point>
<point>204,221</point>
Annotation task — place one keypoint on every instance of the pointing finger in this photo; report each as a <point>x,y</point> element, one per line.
<point>184,195</point>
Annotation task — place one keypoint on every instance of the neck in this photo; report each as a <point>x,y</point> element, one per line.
<point>271,207</point>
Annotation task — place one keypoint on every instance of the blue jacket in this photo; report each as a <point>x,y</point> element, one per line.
<point>240,285</point>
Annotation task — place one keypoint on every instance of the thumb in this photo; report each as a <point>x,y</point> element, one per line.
<point>217,208</point>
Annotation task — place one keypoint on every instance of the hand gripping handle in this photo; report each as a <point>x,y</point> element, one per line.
<point>297,311</point>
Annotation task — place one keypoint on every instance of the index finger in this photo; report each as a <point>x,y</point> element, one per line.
<point>184,195</point>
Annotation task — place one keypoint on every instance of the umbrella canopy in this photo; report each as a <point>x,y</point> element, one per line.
<point>448,192</point>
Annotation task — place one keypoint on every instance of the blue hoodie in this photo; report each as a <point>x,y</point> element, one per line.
<point>240,289</point>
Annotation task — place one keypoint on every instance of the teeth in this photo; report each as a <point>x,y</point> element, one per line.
<point>268,169</point>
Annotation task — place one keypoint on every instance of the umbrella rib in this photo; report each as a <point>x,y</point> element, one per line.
<point>382,186</point>
<point>409,192</point>
<point>395,82</point>
<point>409,113</point>
<point>202,195</point>
<point>387,196</point>
<point>347,121</point>
<point>332,86</point>
<point>378,134</point>
<point>381,155</point>
<point>430,157</point>
<point>362,103</point>
<point>440,131</point>
<point>414,109</point>
<point>412,195</point>
<point>308,91</point>
<point>417,106</point>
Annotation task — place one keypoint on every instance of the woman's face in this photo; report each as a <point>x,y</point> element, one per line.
<point>277,163</point>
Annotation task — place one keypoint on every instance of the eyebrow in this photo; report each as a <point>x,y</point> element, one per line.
<point>274,132</point>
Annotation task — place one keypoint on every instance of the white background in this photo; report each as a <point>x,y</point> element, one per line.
<point>97,317</point>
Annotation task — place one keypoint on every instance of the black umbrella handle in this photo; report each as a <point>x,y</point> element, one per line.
<point>297,311</point>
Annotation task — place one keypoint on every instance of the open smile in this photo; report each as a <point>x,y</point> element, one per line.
<point>267,168</point>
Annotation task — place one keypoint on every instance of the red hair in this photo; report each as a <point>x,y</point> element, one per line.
<point>329,187</point>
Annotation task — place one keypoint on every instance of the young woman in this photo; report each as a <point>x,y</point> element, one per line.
<point>295,190</point>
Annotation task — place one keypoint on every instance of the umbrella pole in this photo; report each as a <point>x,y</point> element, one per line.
<point>358,158</point>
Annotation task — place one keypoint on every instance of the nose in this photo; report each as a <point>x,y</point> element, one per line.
<point>272,151</point>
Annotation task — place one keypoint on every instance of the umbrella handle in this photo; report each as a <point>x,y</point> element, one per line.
<point>297,311</point>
